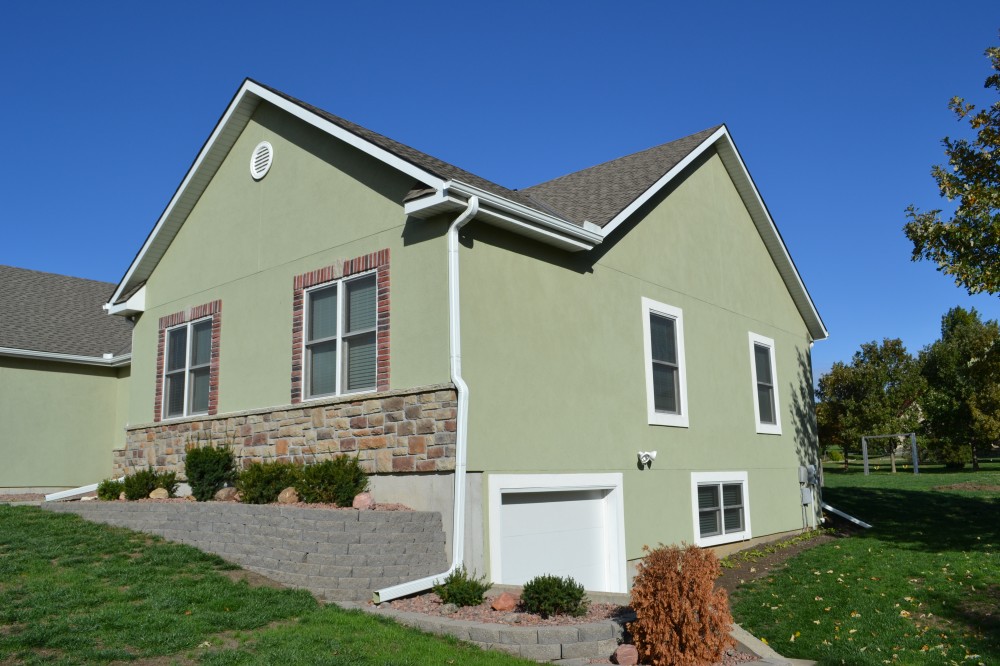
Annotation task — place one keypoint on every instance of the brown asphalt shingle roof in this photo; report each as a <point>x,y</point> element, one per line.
<point>595,195</point>
<point>60,314</point>
<point>599,193</point>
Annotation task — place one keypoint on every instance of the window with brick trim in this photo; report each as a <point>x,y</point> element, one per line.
<point>341,329</point>
<point>187,362</point>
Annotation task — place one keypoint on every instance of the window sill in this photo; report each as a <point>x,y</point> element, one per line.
<point>721,539</point>
<point>768,429</point>
<point>662,419</point>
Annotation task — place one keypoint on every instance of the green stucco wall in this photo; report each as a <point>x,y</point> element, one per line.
<point>245,241</point>
<point>60,422</point>
<point>553,353</point>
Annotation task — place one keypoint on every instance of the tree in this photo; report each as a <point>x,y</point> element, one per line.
<point>876,394</point>
<point>967,245</point>
<point>962,404</point>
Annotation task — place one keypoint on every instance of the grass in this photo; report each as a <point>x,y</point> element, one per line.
<point>73,592</point>
<point>922,586</point>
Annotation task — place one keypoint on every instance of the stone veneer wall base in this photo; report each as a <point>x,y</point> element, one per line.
<point>402,431</point>
<point>337,554</point>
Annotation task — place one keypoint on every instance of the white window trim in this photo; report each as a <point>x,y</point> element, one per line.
<point>698,478</point>
<point>189,325</point>
<point>654,417</point>
<point>614,508</point>
<point>764,428</point>
<point>306,378</point>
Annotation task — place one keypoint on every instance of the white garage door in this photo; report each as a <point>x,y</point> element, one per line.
<point>563,533</point>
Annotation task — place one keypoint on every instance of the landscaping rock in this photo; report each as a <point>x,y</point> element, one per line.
<point>626,654</point>
<point>288,496</point>
<point>505,602</point>
<point>159,493</point>
<point>88,498</point>
<point>121,496</point>
<point>226,495</point>
<point>448,609</point>
<point>363,502</point>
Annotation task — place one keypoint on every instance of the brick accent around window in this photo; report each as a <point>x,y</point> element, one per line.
<point>214,310</point>
<point>377,261</point>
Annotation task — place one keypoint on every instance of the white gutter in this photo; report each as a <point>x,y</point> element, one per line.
<point>108,360</point>
<point>462,420</point>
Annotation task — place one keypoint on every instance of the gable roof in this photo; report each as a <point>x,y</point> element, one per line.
<point>50,315</point>
<point>575,212</point>
<point>599,193</point>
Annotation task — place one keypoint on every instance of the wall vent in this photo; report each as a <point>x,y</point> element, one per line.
<point>261,159</point>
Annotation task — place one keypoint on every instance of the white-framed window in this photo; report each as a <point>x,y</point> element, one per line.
<point>764,375</point>
<point>187,369</point>
<point>340,336</point>
<point>666,372</point>
<point>721,506</point>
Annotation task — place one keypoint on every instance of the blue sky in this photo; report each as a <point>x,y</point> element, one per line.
<point>837,109</point>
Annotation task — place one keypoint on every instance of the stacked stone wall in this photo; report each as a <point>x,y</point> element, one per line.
<point>337,554</point>
<point>390,432</point>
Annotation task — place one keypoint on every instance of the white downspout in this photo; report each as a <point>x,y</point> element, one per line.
<point>462,419</point>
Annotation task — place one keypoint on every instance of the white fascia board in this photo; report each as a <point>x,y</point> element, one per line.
<point>568,234</point>
<point>218,145</point>
<point>737,169</point>
<point>110,362</point>
<point>758,212</point>
<point>135,304</point>
<point>618,219</point>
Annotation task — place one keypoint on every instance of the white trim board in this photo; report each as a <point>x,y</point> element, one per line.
<point>720,477</point>
<point>614,513</point>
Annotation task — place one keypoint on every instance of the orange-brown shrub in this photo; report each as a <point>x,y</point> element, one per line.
<point>681,619</point>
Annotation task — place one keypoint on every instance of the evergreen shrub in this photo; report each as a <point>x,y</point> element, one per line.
<point>462,589</point>
<point>551,595</point>
<point>110,489</point>
<point>209,468</point>
<point>335,481</point>
<point>261,483</point>
<point>681,618</point>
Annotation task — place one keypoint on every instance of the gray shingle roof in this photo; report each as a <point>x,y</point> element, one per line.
<point>60,314</point>
<point>599,193</point>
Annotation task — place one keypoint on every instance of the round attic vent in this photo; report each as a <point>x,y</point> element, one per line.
<point>260,160</point>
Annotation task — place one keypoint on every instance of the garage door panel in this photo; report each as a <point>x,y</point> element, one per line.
<point>561,533</point>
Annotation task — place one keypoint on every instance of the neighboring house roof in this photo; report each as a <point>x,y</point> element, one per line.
<point>575,212</point>
<point>44,314</point>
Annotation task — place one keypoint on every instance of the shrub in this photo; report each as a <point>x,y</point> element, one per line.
<point>836,455</point>
<point>208,468</point>
<point>337,481</point>
<point>138,486</point>
<point>552,595</point>
<point>261,483</point>
<point>110,489</point>
<point>461,589</point>
<point>680,617</point>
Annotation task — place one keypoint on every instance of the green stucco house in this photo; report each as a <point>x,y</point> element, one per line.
<point>64,370</point>
<point>614,358</point>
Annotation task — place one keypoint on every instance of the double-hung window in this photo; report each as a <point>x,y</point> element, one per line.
<point>340,340</point>
<point>666,376</point>
<point>187,369</point>
<point>765,390</point>
<point>721,507</point>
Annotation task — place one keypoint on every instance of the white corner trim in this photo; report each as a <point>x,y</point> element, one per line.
<point>764,428</point>
<point>135,304</point>
<point>614,513</point>
<point>655,417</point>
<point>720,477</point>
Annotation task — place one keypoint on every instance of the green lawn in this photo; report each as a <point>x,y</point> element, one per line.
<point>921,587</point>
<point>72,592</point>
